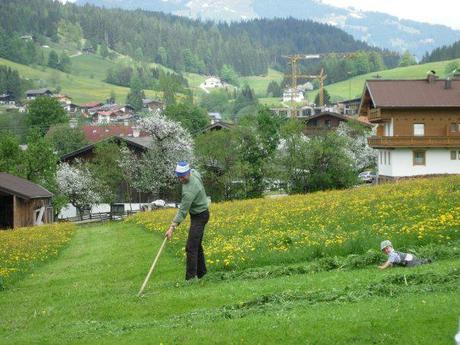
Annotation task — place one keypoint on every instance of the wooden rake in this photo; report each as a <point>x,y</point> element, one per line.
<point>152,267</point>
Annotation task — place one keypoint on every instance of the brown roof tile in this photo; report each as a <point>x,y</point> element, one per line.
<point>414,93</point>
<point>23,188</point>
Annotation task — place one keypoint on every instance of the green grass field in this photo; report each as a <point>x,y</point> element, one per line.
<point>81,88</point>
<point>87,294</point>
<point>353,88</point>
<point>260,83</point>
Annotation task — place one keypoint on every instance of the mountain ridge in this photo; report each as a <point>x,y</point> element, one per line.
<point>391,33</point>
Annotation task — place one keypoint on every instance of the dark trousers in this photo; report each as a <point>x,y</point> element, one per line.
<point>196,265</point>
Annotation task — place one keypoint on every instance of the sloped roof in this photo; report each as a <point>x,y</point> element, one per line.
<point>413,93</point>
<point>22,188</point>
<point>38,91</point>
<point>94,133</point>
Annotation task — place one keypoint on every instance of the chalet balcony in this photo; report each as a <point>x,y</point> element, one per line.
<point>413,141</point>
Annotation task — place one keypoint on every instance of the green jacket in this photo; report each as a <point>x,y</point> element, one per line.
<point>194,199</point>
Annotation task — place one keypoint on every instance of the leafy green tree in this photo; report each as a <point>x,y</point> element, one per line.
<point>407,59</point>
<point>217,155</point>
<point>65,65</point>
<point>104,51</point>
<point>328,164</point>
<point>216,101</point>
<point>259,136</point>
<point>274,89</point>
<point>44,112</point>
<point>136,93</point>
<point>245,97</point>
<point>191,117</point>
<point>53,60</point>
<point>66,139</point>
<point>326,95</point>
<point>229,75</point>
<point>10,153</point>
<point>105,170</point>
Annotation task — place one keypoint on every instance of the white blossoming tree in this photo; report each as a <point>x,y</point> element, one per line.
<point>154,170</point>
<point>78,185</point>
<point>357,148</point>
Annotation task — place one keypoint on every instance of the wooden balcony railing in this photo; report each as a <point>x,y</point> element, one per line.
<point>375,115</point>
<point>412,141</point>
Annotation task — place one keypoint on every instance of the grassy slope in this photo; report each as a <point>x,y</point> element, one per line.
<point>260,83</point>
<point>80,87</point>
<point>87,296</point>
<point>354,86</point>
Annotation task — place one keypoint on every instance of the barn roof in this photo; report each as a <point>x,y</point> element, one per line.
<point>22,188</point>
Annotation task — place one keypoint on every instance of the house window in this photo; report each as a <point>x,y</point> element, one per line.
<point>385,157</point>
<point>453,155</point>
<point>381,157</point>
<point>313,123</point>
<point>453,127</point>
<point>419,129</point>
<point>419,157</point>
<point>327,123</point>
<point>389,157</point>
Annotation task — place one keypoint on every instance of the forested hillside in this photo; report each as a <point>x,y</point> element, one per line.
<point>179,43</point>
<point>444,53</point>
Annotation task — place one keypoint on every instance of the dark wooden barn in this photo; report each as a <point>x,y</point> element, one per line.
<point>23,203</point>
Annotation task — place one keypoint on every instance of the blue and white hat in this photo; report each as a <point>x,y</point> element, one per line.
<point>182,169</point>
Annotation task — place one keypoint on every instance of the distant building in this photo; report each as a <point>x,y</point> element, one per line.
<point>212,83</point>
<point>215,117</point>
<point>23,203</point>
<point>95,133</point>
<point>71,108</point>
<point>63,99</point>
<point>7,98</point>
<point>33,94</point>
<point>328,121</point>
<point>154,106</point>
<point>418,125</point>
<point>217,126</point>
<point>349,107</point>
<point>293,95</point>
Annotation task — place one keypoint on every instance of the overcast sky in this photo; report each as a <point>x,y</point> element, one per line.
<point>430,11</point>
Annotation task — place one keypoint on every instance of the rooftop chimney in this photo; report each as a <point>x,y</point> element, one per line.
<point>448,84</point>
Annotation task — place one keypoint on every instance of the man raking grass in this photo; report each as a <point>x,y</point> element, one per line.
<point>195,202</point>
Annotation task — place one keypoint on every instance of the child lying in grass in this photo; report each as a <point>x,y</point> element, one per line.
<point>399,258</point>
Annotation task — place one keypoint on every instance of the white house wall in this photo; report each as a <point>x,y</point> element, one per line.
<point>437,161</point>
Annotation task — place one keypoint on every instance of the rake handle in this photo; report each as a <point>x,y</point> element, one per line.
<point>152,267</point>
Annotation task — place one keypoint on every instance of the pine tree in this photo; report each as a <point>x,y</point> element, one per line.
<point>136,94</point>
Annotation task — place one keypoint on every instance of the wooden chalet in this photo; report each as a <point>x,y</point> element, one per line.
<point>23,203</point>
<point>327,121</point>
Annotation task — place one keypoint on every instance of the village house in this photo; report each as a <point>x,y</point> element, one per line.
<point>7,98</point>
<point>212,83</point>
<point>95,133</point>
<point>154,106</point>
<point>85,107</point>
<point>63,99</point>
<point>110,113</point>
<point>349,107</point>
<point>328,121</point>
<point>23,203</point>
<point>418,123</point>
<point>33,94</point>
<point>290,95</point>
